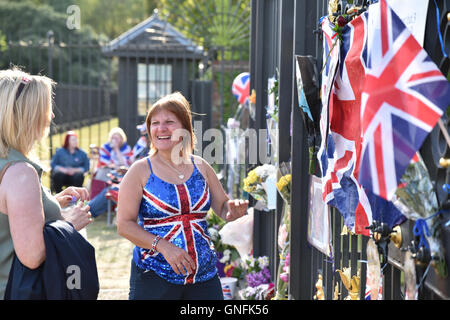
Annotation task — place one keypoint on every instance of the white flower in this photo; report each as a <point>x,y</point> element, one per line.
<point>263,262</point>
<point>226,256</point>
<point>266,170</point>
<point>214,234</point>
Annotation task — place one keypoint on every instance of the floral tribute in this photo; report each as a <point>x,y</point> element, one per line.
<point>255,182</point>
<point>259,285</point>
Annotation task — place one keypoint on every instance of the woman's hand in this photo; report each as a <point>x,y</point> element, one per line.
<point>180,261</point>
<point>79,216</point>
<point>236,209</point>
<point>65,197</point>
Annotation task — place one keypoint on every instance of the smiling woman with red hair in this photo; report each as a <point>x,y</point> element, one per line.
<point>69,164</point>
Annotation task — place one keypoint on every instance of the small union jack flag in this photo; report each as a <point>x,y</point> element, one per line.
<point>241,87</point>
<point>404,95</point>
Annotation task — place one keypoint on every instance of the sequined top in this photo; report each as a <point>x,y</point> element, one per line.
<point>177,212</point>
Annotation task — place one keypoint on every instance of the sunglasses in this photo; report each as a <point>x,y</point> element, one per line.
<point>22,84</point>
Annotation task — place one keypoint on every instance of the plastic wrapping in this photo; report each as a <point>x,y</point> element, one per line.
<point>239,233</point>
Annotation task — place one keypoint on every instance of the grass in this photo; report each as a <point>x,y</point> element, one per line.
<point>113,255</point>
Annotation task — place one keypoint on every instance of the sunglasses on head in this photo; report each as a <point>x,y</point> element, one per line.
<point>22,84</point>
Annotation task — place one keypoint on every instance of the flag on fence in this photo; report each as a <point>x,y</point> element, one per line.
<point>403,96</point>
<point>339,150</point>
<point>342,127</point>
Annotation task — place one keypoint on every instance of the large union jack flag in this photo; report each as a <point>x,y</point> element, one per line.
<point>403,96</point>
<point>181,222</point>
<point>339,151</point>
<point>342,87</point>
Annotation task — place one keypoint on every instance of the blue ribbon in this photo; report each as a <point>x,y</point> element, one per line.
<point>421,230</point>
<point>439,29</point>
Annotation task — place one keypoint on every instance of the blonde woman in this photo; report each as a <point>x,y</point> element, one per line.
<point>163,201</point>
<point>25,206</point>
<point>116,152</point>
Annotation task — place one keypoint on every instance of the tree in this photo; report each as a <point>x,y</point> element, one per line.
<point>211,23</point>
<point>114,17</point>
<point>27,27</point>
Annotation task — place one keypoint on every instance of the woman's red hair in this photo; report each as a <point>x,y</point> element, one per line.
<point>67,137</point>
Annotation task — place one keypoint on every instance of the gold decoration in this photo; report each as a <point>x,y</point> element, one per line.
<point>332,8</point>
<point>353,9</point>
<point>396,236</point>
<point>336,292</point>
<point>252,98</point>
<point>444,163</point>
<point>319,286</point>
<point>345,231</point>
<point>352,284</point>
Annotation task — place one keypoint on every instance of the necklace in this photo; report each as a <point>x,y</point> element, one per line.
<point>180,174</point>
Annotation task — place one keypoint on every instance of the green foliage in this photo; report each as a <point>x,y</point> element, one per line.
<point>212,23</point>
<point>26,26</point>
<point>3,45</point>
<point>114,17</point>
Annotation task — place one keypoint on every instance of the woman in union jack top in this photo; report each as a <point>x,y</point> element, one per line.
<point>163,201</point>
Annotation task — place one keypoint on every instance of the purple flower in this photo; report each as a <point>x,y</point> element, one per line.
<point>255,279</point>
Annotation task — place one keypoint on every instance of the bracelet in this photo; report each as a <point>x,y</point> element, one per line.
<point>154,244</point>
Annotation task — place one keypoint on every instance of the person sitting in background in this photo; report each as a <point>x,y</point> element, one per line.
<point>69,164</point>
<point>116,152</point>
<point>142,146</point>
<point>113,155</point>
<point>99,204</point>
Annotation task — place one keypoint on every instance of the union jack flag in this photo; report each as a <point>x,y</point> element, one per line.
<point>183,222</point>
<point>340,128</point>
<point>108,156</point>
<point>403,96</point>
<point>241,87</point>
<point>341,146</point>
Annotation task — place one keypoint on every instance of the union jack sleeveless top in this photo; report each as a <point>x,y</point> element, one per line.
<point>177,212</point>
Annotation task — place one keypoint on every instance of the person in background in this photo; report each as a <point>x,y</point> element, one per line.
<point>69,164</point>
<point>163,201</point>
<point>99,204</point>
<point>116,152</point>
<point>113,155</point>
<point>142,146</point>
<point>25,205</point>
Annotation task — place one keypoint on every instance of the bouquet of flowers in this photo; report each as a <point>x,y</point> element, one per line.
<point>228,263</point>
<point>284,188</point>
<point>259,286</point>
<point>284,182</point>
<point>416,199</point>
<point>255,182</point>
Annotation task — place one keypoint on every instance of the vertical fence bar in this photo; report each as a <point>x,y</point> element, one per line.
<point>363,266</point>
<point>337,245</point>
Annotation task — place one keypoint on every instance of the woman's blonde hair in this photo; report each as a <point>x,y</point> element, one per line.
<point>178,105</point>
<point>25,110</point>
<point>120,132</point>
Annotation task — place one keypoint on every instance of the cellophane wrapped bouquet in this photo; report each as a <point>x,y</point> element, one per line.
<point>255,183</point>
<point>284,189</point>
